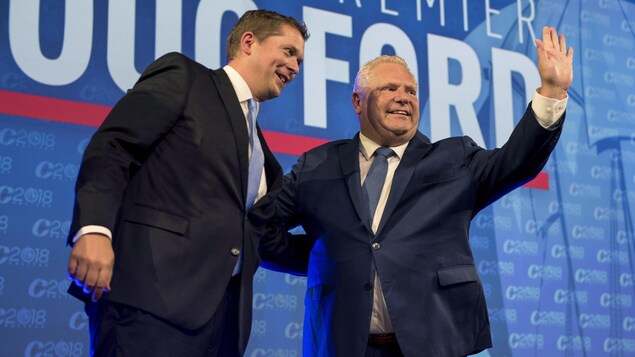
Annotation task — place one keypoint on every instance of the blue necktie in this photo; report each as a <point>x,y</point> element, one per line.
<point>257,159</point>
<point>256,162</point>
<point>375,178</point>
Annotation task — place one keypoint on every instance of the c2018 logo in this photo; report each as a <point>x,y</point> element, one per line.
<point>520,247</point>
<point>533,227</point>
<point>585,190</point>
<point>560,251</point>
<point>488,221</point>
<point>78,321</point>
<point>4,223</point>
<point>56,171</point>
<point>573,343</point>
<point>259,328</point>
<point>568,208</point>
<point>491,267</point>
<point>26,196</point>
<point>27,139</point>
<point>619,345</point>
<point>264,301</point>
<point>616,300</point>
<point>52,228</point>
<point>547,318</point>
<point>595,321</point>
<point>51,348</point>
<point>526,340</point>
<point>293,330</point>
<point>562,296</point>
<point>52,289</point>
<point>22,318</point>
<point>606,256</point>
<point>546,272</point>
<point>591,276</point>
<point>626,280</point>
<point>522,293</point>
<point>6,162</point>
<point>587,232</point>
<point>479,243</point>
<point>26,256</point>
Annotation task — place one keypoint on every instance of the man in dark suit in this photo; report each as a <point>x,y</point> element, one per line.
<point>165,227</point>
<point>390,271</point>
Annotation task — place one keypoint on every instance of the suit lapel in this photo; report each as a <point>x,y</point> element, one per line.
<point>349,162</point>
<point>237,121</point>
<point>418,147</point>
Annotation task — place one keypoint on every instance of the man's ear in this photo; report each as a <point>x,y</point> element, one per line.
<point>247,40</point>
<point>357,102</point>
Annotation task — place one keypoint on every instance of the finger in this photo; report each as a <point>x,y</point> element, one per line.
<point>97,294</point>
<point>563,44</point>
<point>72,267</point>
<point>80,273</point>
<point>554,37</point>
<point>103,284</point>
<point>91,279</point>
<point>570,54</point>
<point>539,44</point>
<point>546,35</point>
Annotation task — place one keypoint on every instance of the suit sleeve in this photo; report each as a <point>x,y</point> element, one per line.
<point>519,160</point>
<point>127,136</point>
<point>280,250</point>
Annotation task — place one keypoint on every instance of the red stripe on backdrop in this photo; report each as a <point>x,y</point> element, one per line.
<point>60,110</point>
<point>73,112</point>
<point>540,182</point>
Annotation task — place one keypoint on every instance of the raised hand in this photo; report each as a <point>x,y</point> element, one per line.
<point>555,64</point>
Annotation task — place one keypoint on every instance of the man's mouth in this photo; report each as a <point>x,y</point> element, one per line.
<point>282,78</point>
<point>399,112</point>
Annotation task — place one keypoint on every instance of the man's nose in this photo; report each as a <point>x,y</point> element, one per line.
<point>294,68</point>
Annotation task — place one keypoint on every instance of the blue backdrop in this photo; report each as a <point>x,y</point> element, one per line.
<point>555,256</point>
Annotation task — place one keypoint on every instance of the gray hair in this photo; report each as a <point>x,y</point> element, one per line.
<point>365,72</point>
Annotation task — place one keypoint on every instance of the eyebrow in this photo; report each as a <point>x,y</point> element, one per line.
<point>294,52</point>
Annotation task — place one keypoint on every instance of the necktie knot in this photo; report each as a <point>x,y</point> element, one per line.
<point>384,151</point>
<point>251,105</point>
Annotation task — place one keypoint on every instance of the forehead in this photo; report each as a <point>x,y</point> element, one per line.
<point>390,73</point>
<point>288,34</point>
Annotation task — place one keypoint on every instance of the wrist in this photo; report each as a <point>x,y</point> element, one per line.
<point>553,92</point>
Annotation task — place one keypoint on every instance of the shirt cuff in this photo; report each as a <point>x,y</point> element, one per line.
<point>548,110</point>
<point>92,229</point>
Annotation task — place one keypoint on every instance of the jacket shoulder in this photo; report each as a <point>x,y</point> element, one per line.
<point>328,147</point>
<point>178,59</point>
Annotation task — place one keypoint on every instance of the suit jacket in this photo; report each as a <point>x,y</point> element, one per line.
<point>167,174</point>
<point>429,279</point>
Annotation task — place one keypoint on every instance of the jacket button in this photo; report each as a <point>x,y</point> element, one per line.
<point>368,287</point>
<point>235,251</point>
<point>376,246</point>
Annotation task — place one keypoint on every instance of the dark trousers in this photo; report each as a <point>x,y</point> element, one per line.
<point>123,331</point>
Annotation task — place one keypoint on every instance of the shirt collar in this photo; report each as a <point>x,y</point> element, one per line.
<point>240,86</point>
<point>367,146</point>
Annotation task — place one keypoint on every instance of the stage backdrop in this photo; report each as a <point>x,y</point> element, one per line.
<point>555,257</point>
